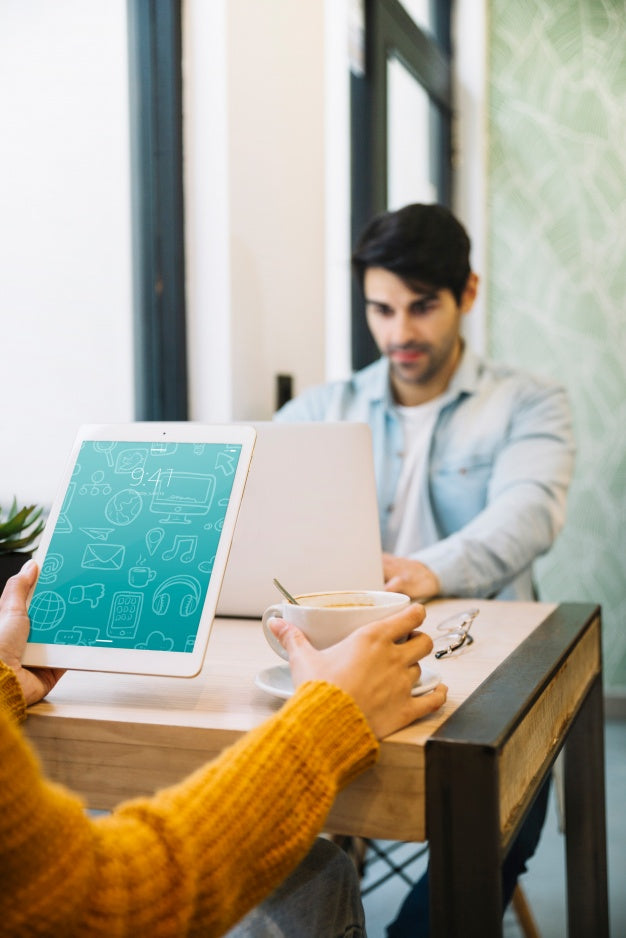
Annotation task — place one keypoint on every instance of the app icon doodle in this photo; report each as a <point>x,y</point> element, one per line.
<point>46,610</point>
<point>124,614</point>
<point>134,545</point>
<point>153,539</point>
<point>103,557</point>
<point>123,507</point>
<point>91,594</point>
<point>50,570</point>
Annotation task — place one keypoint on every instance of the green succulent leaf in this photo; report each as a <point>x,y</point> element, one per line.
<point>15,523</point>
<point>14,531</point>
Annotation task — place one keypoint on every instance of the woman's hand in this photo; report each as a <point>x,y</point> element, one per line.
<point>371,665</point>
<point>14,629</point>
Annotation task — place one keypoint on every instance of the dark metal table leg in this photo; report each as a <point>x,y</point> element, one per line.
<point>541,680</point>
<point>585,823</point>
<point>464,835</point>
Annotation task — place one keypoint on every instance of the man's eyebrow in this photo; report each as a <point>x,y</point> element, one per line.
<point>370,301</point>
<point>418,298</point>
<point>426,295</point>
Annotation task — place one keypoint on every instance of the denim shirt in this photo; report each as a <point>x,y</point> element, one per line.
<point>499,465</point>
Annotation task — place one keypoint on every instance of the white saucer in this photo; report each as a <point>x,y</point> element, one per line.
<point>277,681</point>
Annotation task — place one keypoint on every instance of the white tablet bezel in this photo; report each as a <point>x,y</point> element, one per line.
<point>146,661</point>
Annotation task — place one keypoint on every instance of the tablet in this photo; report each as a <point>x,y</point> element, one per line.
<point>135,547</point>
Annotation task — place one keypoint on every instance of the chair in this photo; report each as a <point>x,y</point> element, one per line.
<point>360,850</point>
<point>523,913</point>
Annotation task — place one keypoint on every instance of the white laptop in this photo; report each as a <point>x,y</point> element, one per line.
<point>308,517</point>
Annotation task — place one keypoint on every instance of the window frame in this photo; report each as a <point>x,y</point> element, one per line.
<point>390,30</point>
<point>156,135</point>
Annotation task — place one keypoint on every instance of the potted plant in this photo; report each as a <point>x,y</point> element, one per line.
<point>19,531</point>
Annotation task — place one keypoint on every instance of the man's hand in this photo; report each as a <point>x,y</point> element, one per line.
<point>14,629</point>
<point>409,576</point>
<point>371,665</point>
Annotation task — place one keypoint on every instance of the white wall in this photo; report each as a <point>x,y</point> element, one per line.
<point>276,146</point>
<point>207,209</point>
<point>469,31</point>
<point>268,163</point>
<point>264,181</point>
<point>266,123</point>
<point>65,288</point>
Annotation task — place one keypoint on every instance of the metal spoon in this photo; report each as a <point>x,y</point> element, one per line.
<point>287,595</point>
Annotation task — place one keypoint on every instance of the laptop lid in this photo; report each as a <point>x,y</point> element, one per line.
<point>309,516</point>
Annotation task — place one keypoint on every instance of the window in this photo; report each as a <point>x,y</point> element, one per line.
<point>401,112</point>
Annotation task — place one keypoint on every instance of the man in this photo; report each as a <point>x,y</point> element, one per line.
<point>473,459</point>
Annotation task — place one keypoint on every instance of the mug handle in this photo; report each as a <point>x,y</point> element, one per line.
<point>273,611</point>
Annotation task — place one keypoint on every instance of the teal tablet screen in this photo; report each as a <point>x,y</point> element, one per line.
<point>133,547</point>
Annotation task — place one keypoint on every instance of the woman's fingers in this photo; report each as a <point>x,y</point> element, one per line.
<point>400,624</point>
<point>433,700</point>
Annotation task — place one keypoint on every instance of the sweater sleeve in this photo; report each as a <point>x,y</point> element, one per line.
<point>196,857</point>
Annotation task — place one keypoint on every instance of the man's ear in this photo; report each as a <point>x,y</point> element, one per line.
<point>470,292</point>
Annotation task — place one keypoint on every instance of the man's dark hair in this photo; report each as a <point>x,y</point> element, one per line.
<point>424,245</point>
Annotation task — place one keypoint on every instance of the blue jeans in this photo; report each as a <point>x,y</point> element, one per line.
<point>320,899</point>
<point>413,919</point>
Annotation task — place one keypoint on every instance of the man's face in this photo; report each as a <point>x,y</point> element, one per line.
<point>419,332</point>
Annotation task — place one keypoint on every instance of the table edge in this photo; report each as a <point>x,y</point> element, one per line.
<point>491,713</point>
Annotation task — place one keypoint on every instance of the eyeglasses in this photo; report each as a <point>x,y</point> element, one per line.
<point>456,633</point>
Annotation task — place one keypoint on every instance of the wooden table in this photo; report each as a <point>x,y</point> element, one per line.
<point>463,778</point>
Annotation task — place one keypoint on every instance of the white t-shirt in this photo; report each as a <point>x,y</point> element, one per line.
<point>417,427</point>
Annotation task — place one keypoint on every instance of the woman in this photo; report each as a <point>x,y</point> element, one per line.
<point>195,858</point>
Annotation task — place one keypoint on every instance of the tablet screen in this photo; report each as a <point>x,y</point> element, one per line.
<point>133,546</point>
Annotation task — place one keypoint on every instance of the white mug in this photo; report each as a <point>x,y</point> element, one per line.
<point>327,618</point>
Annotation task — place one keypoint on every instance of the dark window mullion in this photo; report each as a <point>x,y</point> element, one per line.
<point>155,55</point>
<point>422,56</point>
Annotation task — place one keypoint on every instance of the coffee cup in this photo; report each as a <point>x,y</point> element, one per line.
<point>140,576</point>
<point>327,618</point>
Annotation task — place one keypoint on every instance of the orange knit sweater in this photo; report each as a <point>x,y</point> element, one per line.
<point>193,859</point>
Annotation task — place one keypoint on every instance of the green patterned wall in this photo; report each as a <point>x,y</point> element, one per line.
<point>557,264</point>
